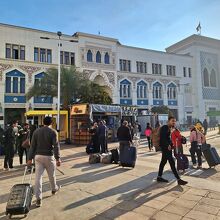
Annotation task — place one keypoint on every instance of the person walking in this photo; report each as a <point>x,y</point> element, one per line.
<point>124,137</point>
<point>148,133</point>
<point>46,152</point>
<point>102,135</point>
<point>9,143</point>
<point>166,148</point>
<point>196,140</point>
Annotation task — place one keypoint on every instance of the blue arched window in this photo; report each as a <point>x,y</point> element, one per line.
<point>171,91</point>
<point>125,89</point>
<point>98,57</point>
<point>107,61</point>
<point>89,56</point>
<point>141,90</point>
<point>157,90</point>
<point>15,82</point>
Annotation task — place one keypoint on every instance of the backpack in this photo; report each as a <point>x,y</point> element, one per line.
<point>156,138</point>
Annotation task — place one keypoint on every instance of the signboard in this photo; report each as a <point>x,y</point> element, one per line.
<point>79,110</point>
<point>213,113</point>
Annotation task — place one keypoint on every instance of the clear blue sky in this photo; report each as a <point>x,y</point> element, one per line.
<point>153,24</point>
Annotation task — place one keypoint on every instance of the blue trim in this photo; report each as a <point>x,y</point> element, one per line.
<point>171,85</point>
<point>172,102</point>
<point>157,84</point>
<point>43,99</point>
<point>142,83</point>
<point>15,99</point>
<point>15,73</point>
<point>142,102</point>
<point>125,81</point>
<point>157,102</point>
<point>126,101</point>
<point>39,75</point>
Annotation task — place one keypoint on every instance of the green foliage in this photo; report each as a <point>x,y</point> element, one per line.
<point>74,86</point>
<point>160,109</point>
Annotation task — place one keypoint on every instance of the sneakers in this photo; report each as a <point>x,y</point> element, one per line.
<point>161,180</point>
<point>181,182</point>
<point>38,203</point>
<point>55,191</point>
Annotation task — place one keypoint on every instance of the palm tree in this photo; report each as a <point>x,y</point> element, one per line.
<point>74,87</point>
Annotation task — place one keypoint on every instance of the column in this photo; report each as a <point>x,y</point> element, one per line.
<point>134,95</point>
<point>165,98</point>
<point>150,97</point>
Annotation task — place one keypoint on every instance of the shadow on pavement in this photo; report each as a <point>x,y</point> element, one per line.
<point>137,201</point>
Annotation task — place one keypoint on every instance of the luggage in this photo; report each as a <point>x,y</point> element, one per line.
<point>128,156</point>
<point>211,156</point>
<point>90,148</point>
<point>20,197</point>
<point>94,158</point>
<point>156,139</point>
<point>183,140</point>
<point>115,155</point>
<point>182,162</point>
<point>106,158</point>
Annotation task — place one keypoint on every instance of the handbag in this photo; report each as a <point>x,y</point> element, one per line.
<point>26,143</point>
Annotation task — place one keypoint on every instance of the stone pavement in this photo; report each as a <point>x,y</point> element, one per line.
<point>111,192</point>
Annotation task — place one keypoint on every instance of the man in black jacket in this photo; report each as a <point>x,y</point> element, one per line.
<point>124,136</point>
<point>166,148</point>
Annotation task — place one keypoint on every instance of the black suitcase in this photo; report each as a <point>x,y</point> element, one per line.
<point>211,156</point>
<point>115,155</point>
<point>20,197</point>
<point>128,157</point>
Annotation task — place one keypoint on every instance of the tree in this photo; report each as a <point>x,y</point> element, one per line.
<point>160,109</point>
<point>74,87</point>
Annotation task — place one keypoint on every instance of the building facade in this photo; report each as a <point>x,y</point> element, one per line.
<point>132,76</point>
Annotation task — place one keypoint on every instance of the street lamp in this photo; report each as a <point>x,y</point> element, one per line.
<point>59,34</point>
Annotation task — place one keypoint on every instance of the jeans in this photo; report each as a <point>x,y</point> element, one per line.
<point>21,152</point>
<point>41,163</point>
<point>167,156</point>
<point>196,149</point>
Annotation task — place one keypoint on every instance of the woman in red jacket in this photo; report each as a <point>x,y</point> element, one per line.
<point>177,141</point>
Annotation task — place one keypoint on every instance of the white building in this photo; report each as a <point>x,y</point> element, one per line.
<point>132,76</point>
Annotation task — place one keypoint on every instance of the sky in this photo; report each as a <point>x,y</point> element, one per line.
<point>152,24</point>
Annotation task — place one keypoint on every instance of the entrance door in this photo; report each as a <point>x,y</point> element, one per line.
<point>12,114</point>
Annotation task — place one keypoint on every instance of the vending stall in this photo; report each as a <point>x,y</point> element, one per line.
<point>83,115</point>
<point>36,117</point>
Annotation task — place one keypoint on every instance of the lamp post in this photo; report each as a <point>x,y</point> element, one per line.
<point>59,34</point>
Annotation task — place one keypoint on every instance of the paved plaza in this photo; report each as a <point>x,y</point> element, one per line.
<point>111,192</point>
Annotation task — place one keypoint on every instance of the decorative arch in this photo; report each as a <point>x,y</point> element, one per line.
<point>213,79</point>
<point>206,78</point>
<point>89,56</point>
<point>125,88</point>
<point>141,89</point>
<point>171,91</point>
<point>107,60</point>
<point>157,90</point>
<point>98,57</point>
<point>15,82</point>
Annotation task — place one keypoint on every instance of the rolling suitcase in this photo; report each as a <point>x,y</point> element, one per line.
<point>182,162</point>
<point>128,156</point>
<point>20,197</point>
<point>211,156</point>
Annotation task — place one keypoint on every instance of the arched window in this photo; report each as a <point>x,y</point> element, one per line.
<point>89,56</point>
<point>157,91</point>
<point>107,58</point>
<point>141,90</point>
<point>98,57</point>
<point>213,78</point>
<point>125,89</point>
<point>206,78</point>
<point>171,91</point>
<point>15,82</point>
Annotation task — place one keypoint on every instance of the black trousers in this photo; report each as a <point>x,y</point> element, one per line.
<point>21,152</point>
<point>9,155</point>
<point>149,143</point>
<point>167,156</point>
<point>102,141</point>
<point>195,149</point>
